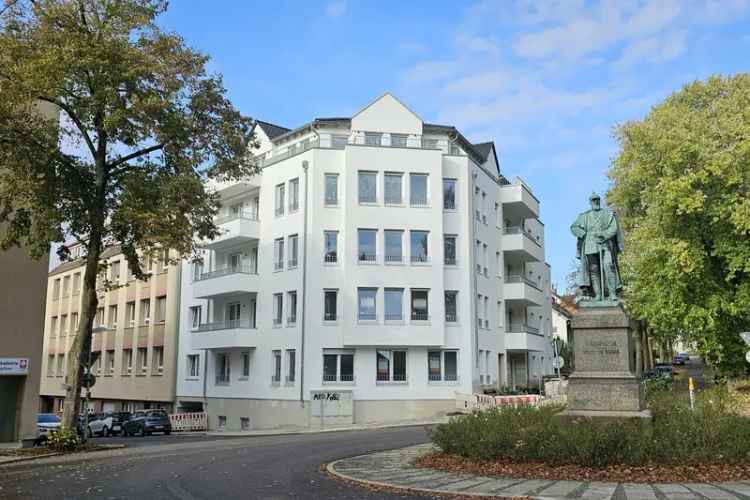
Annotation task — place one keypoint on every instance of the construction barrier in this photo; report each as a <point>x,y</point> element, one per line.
<point>189,421</point>
<point>470,402</point>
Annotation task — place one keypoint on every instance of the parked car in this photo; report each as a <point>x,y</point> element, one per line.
<point>678,360</point>
<point>99,424</point>
<point>46,424</point>
<point>684,356</point>
<point>118,419</point>
<point>664,369</point>
<point>146,422</point>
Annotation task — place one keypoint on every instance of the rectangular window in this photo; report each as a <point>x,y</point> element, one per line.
<point>245,364</point>
<point>449,194</point>
<point>294,195</point>
<point>484,257</point>
<point>193,365</point>
<point>330,309</point>
<point>338,367</point>
<point>331,242</point>
<point>114,271</point>
<point>292,313</point>
<point>99,318</point>
<point>368,192</point>
<point>278,306</point>
<point>76,283</point>
<point>60,365</point>
<point>279,193</point>
<point>64,324</point>
<point>393,189</point>
<point>142,359</point>
<point>53,326</point>
<point>112,318</point>
<point>367,239</point>
<point>449,249</point>
<point>391,366</point>
<point>130,314</point>
<point>276,375</point>
<point>197,270</point>
<point>56,289</point>
<point>419,305</point>
<point>373,138</point>
<point>161,309</point>
<point>332,189</point>
<point>291,365</point>
<point>293,250</point>
<point>109,362</point>
<point>127,361</point>
<point>50,365</point>
<point>394,304</point>
<point>74,323</point>
<point>278,253</point>
<point>66,286</point>
<point>145,311</point>
<point>442,366</point>
<point>394,245</point>
<point>486,312</point>
<point>418,190</point>
<point>399,140</point>
<point>451,306</point>
<point>366,309</point>
<point>195,317</point>
<point>223,369</point>
<point>419,246</point>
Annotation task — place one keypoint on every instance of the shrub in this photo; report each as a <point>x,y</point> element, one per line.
<point>63,440</point>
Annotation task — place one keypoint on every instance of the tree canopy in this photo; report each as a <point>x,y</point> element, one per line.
<point>681,181</point>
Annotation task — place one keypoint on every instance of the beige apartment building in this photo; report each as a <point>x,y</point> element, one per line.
<point>137,341</point>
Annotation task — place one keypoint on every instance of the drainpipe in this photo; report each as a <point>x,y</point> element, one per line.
<point>472,196</point>
<point>304,295</point>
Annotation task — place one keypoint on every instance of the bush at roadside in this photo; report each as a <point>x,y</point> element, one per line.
<point>712,433</point>
<point>63,440</point>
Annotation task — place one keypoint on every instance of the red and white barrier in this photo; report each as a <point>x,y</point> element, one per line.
<point>470,402</point>
<point>189,421</point>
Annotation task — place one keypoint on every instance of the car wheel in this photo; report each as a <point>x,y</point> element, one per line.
<point>105,431</point>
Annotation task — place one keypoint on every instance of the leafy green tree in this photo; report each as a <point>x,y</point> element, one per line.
<point>682,183</point>
<point>142,129</point>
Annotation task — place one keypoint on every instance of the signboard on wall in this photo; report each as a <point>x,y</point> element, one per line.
<point>14,366</point>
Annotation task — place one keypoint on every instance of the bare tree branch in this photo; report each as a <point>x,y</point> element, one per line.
<point>75,119</point>
<point>133,156</point>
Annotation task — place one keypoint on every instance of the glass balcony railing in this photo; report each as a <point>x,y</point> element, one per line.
<point>516,278</point>
<point>232,324</point>
<point>226,271</point>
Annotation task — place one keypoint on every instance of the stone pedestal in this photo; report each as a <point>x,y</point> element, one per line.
<point>603,383</point>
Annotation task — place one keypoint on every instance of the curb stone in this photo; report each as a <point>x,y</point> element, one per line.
<point>102,447</point>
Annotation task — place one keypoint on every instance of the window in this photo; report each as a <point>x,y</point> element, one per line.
<point>393,189</point>
<point>195,317</point>
<point>66,286</point>
<point>99,318</point>
<point>245,364</point>
<point>278,306</point>
<point>449,194</point>
<point>109,362</point>
<point>64,324</point>
<point>449,249</point>
<point>391,366</point>
<point>366,304</point>
<point>50,365</point>
<point>127,361</point>
<point>197,270</point>
<point>60,365</point>
<point>399,140</point>
<point>278,253</point>
<point>338,366</point>
<point>193,365</point>
<point>442,366</point>
<point>330,310</point>
<point>114,271</point>
<point>112,318</point>
<point>279,192</point>
<point>394,304</point>
<point>291,318</point>
<point>484,258</point>
<point>223,369</point>
<point>367,245</point>
<point>74,323</point>
<point>331,242</point>
<point>368,192</point>
<point>130,314</point>
<point>393,245</point>
<point>373,138</point>
<point>56,289</point>
<point>451,306</point>
<point>291,365</point>
<point>293,250</point>
<point>142,359</point>
<point>419,301</point>
<point>53,326</point>
<point>145,311</point>
<point>419,246</point>
<point>332,189</point>
<point>486,312</point>
<point>76,283</point>
<point>276,376</point>
<point>418,190</point>
<point>161,309</point>
<point>294,195</point>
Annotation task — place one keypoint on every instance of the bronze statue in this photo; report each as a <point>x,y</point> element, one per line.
<point>599,242</point>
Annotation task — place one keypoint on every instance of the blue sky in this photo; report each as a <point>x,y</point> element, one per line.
<point>546,81</point>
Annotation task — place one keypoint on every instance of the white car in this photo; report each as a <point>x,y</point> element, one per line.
<point>101,424</point>
<point>46,423</point>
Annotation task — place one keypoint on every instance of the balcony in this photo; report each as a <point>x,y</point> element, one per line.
<point>519,244</point>
<point>235,229</point>
<point>226,281</point>
<point>518,201</point>
<point>224,335</point>
<point>522,291</point>
<point>522,337</point>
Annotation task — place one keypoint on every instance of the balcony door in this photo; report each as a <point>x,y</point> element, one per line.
<point>233,315</point>
<point>235,262</point>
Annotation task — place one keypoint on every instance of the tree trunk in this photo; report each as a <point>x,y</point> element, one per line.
<point>638,349</point>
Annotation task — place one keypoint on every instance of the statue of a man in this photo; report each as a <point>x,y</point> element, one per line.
<point>599,242</point>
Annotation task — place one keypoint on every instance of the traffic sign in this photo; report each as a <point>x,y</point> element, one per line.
<point>88,380</point>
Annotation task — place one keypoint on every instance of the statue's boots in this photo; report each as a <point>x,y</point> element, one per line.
<point>597,286</point>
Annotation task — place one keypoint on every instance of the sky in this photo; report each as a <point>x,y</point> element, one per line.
<point>546,80</point>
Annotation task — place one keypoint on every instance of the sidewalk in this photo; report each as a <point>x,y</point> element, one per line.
<point>317,430</point>
<point>395,469</point>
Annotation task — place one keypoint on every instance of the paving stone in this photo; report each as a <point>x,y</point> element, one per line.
<point>560,489</point>
<point>398,475</point>
<point>673,491</point>
<point>464,485</point>
<point>736,486</point>
<point>492,485</point>
<point>599,491</point>
<point>437,482</point>
<point>524,488</point>
<point>710,491</point>
<point>635,491</point>
<point>424,480</point>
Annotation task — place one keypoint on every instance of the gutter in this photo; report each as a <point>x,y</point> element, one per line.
<point>304,294</point>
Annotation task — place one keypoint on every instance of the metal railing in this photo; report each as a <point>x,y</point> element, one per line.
<point>291,320</point>
<point>243,214</point>
<point>450,261</point>
<point>519,230</point>
<point>367,316</point>
<point>279,211</point>
<point>451,317</point>
<point>394,316</point>
<point>419,202</point>
<point>292,263</point>
<point>232,324</point>
<point>225,271</point>
<point>330,316</point>
<point>394,258</point>
<point>276,321</point>
<point>275,379</point>
<point>523,328</point>
<point>516,278</point>
<point>278,266</point>
<point>420,316</point>
<point>348,377</point>
<point>367,257</point>
<point>330,258</point>
<point>420,258</point>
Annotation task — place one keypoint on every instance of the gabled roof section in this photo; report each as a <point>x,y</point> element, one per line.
<point>271,130</point>
<point>488,152</point>
<point>387,114</point>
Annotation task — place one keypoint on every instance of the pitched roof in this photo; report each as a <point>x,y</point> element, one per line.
<point>271,130</point>
<point>80,262</point>
<point>484,148</point>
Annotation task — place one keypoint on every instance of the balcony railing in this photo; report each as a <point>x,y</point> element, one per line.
<point>276,321</point>
<point>242,214</point>
<point>394,316</point>
<point>419,202</point>
<point>232,324</point>
<point>523,328</point>
<point>519,230</point>
<point>278,266</point>
<point>394,258</point>
<point>225,271</point>
<point>516,278</point>
<point>330,258</point>
<point>344,377</point>
<point>365,316</point>
<point>451,317</point>
<point>330,316</point>
<point>291,320</point>
<point>292,263</point>
<point>421,259</point>
<point>367,257</point>
<point>420,316</point>
<point>222,379</point>
<point>450,261</point>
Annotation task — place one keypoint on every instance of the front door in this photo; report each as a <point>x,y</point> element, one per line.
<point>233,314</point>
<point>10,405</point>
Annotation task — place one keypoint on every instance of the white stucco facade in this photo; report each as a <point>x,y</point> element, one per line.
<point>367,319</point>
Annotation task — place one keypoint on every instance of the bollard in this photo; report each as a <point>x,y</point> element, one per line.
<point>691,389</point>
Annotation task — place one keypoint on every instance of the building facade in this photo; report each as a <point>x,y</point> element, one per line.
<point>378,262</point>
<point>137,339</point>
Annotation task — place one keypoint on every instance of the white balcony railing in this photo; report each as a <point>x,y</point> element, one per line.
<point>241,214</point>
<point>232,324</point>
<point>226,271</point>
<point>515,278</point>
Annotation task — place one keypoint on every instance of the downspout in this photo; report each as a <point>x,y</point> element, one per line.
<point>474,235</point>
<point>304,295</point>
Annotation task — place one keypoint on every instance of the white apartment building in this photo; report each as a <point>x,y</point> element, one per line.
<point>378,263</point>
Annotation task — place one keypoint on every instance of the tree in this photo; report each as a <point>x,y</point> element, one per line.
<point>143,128</point>
<point>681,181</point>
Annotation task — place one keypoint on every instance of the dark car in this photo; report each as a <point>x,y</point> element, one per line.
<point>146,422</point>
<point>118,421</point>
<point>678,360</point>
<point>664,369</point>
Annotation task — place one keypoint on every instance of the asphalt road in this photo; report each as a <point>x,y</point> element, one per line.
<point>169,467</point>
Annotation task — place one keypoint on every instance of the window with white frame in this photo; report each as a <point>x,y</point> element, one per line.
<point>245,356</point>
<point>66,286</point>
<point>76,283</point>
<point>366,307</point>
<point>484,258</point>
<point>60,365</point>
<point>99,318</point>
<point>331,246</point>
<point>161,309</point>
<point>367,245</point>
<point>109,362</point>
<point>193,365</point>
<point>195,316</point>
<point>157,360</point>
<point>393,192</point>
<point>449,194</point>
<point>442,366</point>
<point>393,300</point>
<point>331,189</point>
<point>74,323</point>
<point>291,365</point>
<point>114,271</point>
<point>50,365</point>
<point>278,308</point>
<point>291,318</point>
<point>197,270</point>
<point>449,249</point>
<point>56,289</point>
<point>420,246</point>
<point>373,138</point>
<point>394,243</point>
<point>279,193</point>
<point>399,140</point>
<point>420,304</point>
<point>112,317</point>
<point>451,306</point>
<point>53,326</point>
<point>486,312</point>
<point>223,368</point>
<point>330,306</point>
<point>294,194</point>
<point>338,366</point>
<point>293,250</point>
<point>127,361</point>
<point>418,192</point>
<point>63,324</point>
<point>278,254</point>
<point>368,190</point>
<point>145,311</point>
<point>276,375</point>
<point>391,366</point>
<point>142,360</point>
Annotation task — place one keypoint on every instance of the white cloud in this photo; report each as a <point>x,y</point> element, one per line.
<point>481,84</point>
<point>336,8</point>
<point>655,50</point>
<point>432,71</point>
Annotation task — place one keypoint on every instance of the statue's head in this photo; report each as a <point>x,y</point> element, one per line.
<point>596,201</point>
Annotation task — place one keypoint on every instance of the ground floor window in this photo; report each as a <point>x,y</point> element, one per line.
<point>338,366</point>
<point>276,376</point>
<point>391,366</point>
<point>442,366</point>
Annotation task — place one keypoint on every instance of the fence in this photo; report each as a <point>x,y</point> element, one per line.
<point>189,421</point>
<point>470,402</point>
